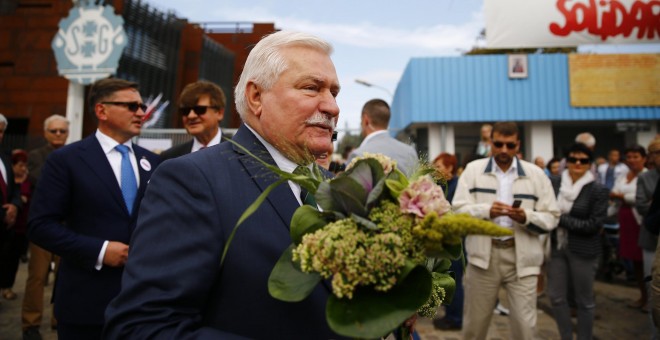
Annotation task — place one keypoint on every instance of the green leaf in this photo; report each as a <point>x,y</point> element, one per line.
<point>448,284</point>
<point>323,196</point>
<point>442,265</point>
<point>288,283</point>
<point>395,187</point>
<point>455,250</point>
<point>364,222</point>
<point>376,194</point>
<point>247,213</point>
<point>341,195</point>
<point>305,220</point>
<point>372,314</point>
<point>407,269</point>
<point>366,172</point>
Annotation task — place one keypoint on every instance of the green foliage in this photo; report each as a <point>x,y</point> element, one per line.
<point>371,314</point>
<point>288,283</point>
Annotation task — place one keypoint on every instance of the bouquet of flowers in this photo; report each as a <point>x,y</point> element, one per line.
<point>384,241</point>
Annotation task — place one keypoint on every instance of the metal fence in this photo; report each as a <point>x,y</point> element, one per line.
<point>158,140</point>
<point>151,57</point>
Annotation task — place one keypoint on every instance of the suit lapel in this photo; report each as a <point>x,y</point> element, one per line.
<point>93,156</point>
<point>145,169</point>
<point>281,198</point>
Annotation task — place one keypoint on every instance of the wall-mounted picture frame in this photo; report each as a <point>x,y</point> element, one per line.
<point>518,67</point>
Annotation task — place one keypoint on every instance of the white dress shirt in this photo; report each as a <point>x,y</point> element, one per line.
<point>214,141</point>
<point>505,190</point>
<point>283,163</point>
<point>114,158</point>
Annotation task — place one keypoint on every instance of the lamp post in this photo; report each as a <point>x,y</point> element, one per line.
<point>368,84</point>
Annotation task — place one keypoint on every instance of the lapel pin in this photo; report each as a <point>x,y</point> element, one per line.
<point>144,163</point>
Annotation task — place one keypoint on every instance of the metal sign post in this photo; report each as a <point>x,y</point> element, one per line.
<point>87,48</point>
<point>75,107</point>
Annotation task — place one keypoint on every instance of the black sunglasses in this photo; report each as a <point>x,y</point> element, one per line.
<point>131,106</point>
<point>575,160</point>
<point>509,145</point>
<point>56,131</point>
<point>198,109</point>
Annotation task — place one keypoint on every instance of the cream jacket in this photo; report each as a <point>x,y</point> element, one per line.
<point>477,190</point>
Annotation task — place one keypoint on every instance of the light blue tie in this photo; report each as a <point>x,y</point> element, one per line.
<point>128,182</point>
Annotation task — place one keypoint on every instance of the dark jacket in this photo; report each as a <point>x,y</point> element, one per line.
<point>585,219</point>
<point>174,286</point>
<point>78,205</point>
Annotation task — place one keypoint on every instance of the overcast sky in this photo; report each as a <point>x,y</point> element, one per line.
<point>373,40</point>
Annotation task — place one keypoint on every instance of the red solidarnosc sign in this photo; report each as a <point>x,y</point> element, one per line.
<point>609,18</point>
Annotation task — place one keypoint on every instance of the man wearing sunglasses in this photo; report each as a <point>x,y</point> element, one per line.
<point>85,208</point>
<point>56,132</point>
<point>202,107</point>
<point>514,194</point>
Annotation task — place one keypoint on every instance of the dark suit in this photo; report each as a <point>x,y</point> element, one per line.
<point>174,287</point>
<point>76,207</point>
<point>177,151</point>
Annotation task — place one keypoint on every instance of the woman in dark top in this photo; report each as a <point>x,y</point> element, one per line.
<point>445,164</point>
<point>576,242</point>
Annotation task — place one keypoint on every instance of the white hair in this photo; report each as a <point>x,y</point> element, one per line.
<point>54,118</point>
<point>586,138</point>
<point>265,63</point>
<point>3,120</point>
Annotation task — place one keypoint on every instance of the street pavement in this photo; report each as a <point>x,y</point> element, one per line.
<point>614,320</point>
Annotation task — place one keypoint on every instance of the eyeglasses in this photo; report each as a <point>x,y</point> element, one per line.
<point>198,109</point>
<point>509,145</point>
<point>131,106</point>
<point>56,131</point>
<point>575,160</point>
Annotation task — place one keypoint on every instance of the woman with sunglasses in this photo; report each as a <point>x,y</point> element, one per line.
<point>576,242</point>
<point>623,194</point>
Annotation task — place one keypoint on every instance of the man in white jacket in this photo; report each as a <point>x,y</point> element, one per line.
<point>514,194</point>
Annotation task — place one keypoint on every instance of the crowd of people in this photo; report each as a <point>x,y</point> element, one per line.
<point>78,205</point>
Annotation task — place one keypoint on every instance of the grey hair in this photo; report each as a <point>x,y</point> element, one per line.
<point>586,138</point>
<point>3,120</point>
<point>265,62</point>
<point>54,118</point>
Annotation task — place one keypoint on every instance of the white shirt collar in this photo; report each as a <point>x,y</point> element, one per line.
<point>282,162</point>
<point>108,144</point>
<point>512,169</point>
<point>214,141</point>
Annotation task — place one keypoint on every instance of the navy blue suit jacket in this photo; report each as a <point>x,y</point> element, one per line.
<point>76,207</point>
<point>173,285</point>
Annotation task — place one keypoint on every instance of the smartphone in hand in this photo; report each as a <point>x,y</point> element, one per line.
<point>516,204</point>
